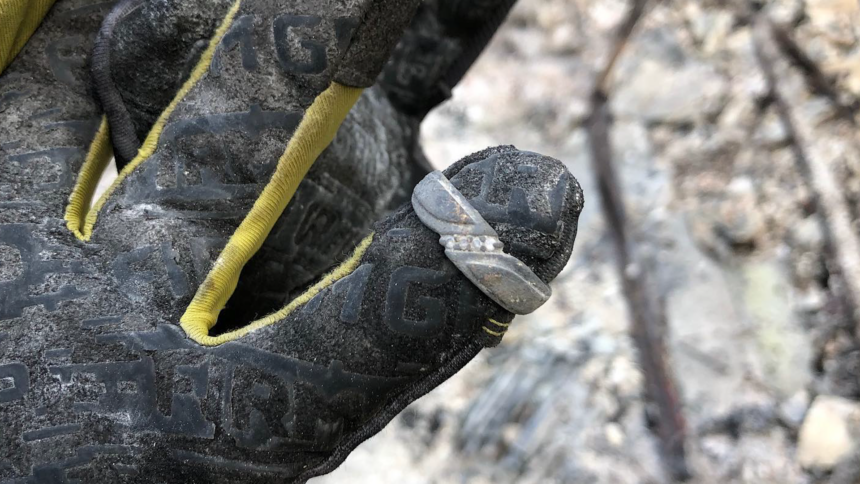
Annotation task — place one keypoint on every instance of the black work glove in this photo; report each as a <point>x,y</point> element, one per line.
<point>100,383</point>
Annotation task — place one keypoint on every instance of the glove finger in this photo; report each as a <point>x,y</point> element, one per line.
<point>418,319</point>
<point>299,390</point>
<point>442,42</point>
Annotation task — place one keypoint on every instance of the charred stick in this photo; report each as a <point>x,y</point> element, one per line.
<point>646,308</point>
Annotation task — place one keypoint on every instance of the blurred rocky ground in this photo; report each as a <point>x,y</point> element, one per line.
<point>745,193</point>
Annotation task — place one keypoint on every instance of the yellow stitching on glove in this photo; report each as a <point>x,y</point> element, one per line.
<point>78,213</point>
<point>18,20</point>
<point>97,159</point>
<point>315,132</point>
<point>197,330</point>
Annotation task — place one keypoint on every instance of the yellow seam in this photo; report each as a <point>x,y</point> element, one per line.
<point>499,324</point>
<point>18,20</point>
<point>146,150</point>
<point>315,132</point>
<point>494,333</point>
<point>97,159</point>
<point>199,333</point>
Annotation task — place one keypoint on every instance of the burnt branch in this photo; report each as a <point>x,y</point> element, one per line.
<point>647,308</point>
<point>818,82</point>
<point>622,36</point>
<point>841,246</point>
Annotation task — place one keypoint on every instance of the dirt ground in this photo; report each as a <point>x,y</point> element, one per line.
<point>734,134</point>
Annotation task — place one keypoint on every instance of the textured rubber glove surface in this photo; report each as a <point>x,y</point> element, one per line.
<point>99,384</point>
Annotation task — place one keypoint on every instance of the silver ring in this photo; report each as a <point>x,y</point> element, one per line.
<point>474,247</point>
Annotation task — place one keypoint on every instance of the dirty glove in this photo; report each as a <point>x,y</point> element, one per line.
<point>98,380</point>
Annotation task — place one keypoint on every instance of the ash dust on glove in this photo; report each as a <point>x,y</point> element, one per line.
<point>123,366</point>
